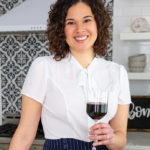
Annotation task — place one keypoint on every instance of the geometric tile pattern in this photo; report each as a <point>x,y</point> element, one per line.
<point>109,6</point>
<point>17,51</point>
<point>7,5</point>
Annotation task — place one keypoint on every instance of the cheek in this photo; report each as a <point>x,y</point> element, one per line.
<point>67,35</point>
<point>68,32</point>
<point>93,29</point>
<point>96,33</point>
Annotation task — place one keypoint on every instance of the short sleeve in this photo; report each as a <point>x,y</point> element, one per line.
<point>124,94</point>
<point>35,84</point>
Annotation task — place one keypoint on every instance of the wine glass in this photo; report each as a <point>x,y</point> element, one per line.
<point>97,108</point>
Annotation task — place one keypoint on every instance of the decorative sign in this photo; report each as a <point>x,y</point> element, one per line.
<point>139,113</point>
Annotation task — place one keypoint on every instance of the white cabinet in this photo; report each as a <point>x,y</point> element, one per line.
<point>141,37</point>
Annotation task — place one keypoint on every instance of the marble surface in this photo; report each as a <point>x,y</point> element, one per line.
<point>138,138</point>
<point>138,141</point>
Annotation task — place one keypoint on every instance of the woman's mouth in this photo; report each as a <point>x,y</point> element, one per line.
<point>81,38</point>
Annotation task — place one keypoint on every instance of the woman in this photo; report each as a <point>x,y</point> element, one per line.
<point>54,87</point>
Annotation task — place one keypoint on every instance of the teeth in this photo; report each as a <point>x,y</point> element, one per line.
<point>81,38</point>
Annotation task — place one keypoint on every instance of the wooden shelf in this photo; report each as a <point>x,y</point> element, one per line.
<point>139,75</point>
<point>135,36</point>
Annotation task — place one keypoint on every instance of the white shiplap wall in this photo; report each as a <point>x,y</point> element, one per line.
<point>125,11</point>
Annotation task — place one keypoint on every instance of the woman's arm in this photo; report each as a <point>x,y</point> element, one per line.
<point>119,126</point>
<point>26,130</point>
<point>116,130</point>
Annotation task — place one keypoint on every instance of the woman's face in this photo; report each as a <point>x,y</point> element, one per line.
<point>80,28</point>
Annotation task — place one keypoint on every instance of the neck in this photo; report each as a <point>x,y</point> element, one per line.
<point>84,59</point>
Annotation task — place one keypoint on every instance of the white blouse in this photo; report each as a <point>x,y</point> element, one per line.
<point>60,86</point>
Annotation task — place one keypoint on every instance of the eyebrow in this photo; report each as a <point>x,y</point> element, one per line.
<point>87,16</point>
<point>83,17</point>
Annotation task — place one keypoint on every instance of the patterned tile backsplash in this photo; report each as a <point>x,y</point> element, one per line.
<point>17,51</point>
<point>7,5</point>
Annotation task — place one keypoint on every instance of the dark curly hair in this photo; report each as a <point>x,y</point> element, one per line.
<point>56,24</point>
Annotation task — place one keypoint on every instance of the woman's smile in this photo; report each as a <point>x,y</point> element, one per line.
<point>81,38</point>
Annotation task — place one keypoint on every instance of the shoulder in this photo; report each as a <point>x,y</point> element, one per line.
<point>109,64</point>
<point>43,59</point>
<point>112,67</point>
<point>40,64</point>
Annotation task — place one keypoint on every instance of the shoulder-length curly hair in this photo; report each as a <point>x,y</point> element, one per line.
<point>56,24</point>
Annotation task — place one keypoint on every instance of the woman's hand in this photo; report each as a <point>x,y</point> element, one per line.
<point>103,133</point>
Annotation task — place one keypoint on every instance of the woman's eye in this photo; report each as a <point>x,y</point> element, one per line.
<point>70,23</point>
<point>87,20</point>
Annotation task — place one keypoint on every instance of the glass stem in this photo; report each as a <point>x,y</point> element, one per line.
<point>94,147</point>
<point>95,123</point>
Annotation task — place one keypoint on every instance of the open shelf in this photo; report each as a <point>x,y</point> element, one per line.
<point>139,75</point>
<point>135,36</point>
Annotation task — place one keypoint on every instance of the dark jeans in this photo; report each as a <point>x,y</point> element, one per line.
<point>70,144</point>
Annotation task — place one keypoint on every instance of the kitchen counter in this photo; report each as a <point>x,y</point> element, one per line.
<point>37,144</point>
<point>8,129</point>
<point>135,141</point>
<point>5,140</point>
<point>138,141</point>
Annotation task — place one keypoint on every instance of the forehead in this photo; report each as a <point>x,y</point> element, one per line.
<point>79,10</point>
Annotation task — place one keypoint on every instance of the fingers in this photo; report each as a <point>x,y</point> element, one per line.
<point>101,128</point>
<point>102,132</point>
<point>100,125</point>
<point>102,142</point>
<point>101,139</point>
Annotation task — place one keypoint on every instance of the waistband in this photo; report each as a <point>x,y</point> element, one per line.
<point>69,144</point>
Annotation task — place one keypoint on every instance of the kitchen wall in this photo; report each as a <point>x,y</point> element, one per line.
<point>125,11</point>
<point>17,51</point>
<point>29,13</point>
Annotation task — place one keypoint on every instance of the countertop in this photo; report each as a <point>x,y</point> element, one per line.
<point>135,141</point>
<point>5,140</point>
<point>138,141</point>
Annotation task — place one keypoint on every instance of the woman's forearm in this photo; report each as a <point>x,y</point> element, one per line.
<point>118,141</point>
<point>20,141</point>
<point>27,128</point>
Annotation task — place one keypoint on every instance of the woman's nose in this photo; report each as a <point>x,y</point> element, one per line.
<point>80,27</point>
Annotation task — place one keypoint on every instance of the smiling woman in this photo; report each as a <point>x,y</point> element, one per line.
<point>58,87</point>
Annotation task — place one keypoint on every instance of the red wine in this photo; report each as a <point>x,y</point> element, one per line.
<point>96,110</point>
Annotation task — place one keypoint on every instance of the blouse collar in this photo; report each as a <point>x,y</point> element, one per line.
<point>75,61</point>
